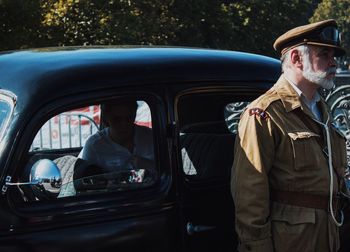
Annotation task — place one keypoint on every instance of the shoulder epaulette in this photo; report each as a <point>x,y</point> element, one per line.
<point>264,101</point>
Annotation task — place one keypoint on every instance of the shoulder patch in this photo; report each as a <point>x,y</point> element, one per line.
<point>259,112</point>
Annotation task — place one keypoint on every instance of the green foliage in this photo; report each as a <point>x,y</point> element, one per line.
<point>20,24</point>
<point>261,22</point>
<point>74,22</point>
<point>338,10</point>
<point>245,25</point>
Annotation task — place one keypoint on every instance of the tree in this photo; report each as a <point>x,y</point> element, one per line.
<point>244,25</point>
<point>20,24</point>
<point>261,22</point>
<point>74,22</point>
<point>250,25</point>
<point>338,10</point>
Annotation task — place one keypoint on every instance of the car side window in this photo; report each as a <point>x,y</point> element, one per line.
<point>69,129</point>
<point>208,124</point>
<point>6,108</point>
<point>99,148</point>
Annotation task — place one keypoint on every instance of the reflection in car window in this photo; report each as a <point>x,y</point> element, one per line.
<point>6,108</point>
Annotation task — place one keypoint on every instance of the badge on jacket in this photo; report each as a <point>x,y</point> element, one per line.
<point>259,112</point>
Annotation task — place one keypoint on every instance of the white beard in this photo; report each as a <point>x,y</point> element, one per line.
<point>317,77</point>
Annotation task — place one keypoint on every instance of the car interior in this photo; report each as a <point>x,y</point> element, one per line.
<point>207,125</point>
<point>78,176</point>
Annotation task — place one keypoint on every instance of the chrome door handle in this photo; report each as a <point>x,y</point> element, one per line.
<point>192,229</point>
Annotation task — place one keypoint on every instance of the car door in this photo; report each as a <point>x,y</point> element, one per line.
<point>206,121</point>
<point>120,211</point>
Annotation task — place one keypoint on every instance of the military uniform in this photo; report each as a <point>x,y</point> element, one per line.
<point>277,152</point>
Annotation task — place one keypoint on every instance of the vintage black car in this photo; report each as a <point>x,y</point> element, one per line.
<point>191,100</point>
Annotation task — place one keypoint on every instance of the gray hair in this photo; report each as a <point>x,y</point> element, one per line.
<point>285,59</point>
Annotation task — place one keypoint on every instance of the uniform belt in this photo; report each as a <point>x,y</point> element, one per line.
<point>302,199</point>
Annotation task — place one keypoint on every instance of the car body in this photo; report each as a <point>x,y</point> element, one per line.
<point>194,98</point>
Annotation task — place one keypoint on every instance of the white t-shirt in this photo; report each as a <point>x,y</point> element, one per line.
<point>100,150</point>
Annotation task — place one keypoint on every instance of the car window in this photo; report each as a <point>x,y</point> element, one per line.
<point>6,109</point>
<point>68,129</point>
<point>99,148</point>
<point>208,124</point>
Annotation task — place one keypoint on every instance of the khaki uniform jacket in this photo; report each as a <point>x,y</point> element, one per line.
<point>274,149</point>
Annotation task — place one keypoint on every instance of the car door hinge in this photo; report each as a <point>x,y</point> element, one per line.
<point>4,187</point>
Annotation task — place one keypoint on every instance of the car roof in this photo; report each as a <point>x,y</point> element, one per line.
<point>66,70</point>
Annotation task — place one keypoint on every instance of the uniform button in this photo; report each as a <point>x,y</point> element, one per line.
<point>248,247</point>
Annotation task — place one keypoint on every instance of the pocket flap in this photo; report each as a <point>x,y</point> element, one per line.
<point>293,215</point>
<point>302,135</point>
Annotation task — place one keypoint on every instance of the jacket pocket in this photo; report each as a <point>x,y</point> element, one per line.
<point>306,150</point>
<point>292,227</point>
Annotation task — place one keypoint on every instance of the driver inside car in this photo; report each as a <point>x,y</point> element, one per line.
<point>122,145</point>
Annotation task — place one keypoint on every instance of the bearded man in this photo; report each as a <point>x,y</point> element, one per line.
<point>289,159</point>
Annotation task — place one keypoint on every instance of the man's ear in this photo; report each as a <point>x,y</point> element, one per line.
<point>296,58</point>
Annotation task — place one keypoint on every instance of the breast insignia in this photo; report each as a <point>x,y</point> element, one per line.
<point>259,112</point>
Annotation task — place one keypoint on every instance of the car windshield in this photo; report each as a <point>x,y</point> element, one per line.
<point>6,108</point>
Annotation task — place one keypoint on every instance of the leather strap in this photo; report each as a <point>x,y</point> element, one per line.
<point>301,199</point>
<point>320,140</point>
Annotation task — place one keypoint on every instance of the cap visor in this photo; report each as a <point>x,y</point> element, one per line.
<point>338,50</point>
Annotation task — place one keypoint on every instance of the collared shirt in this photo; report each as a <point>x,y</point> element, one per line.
<point>102,151</point>
<point>312,104</point>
